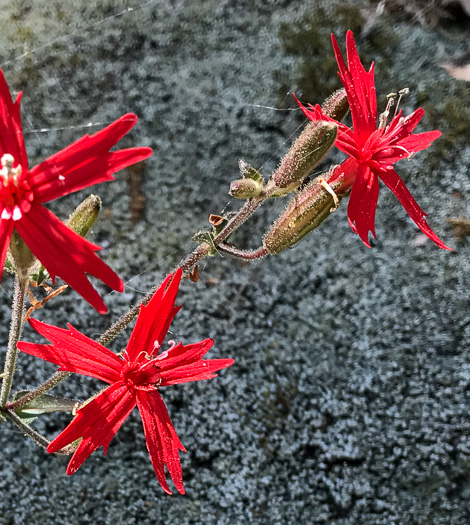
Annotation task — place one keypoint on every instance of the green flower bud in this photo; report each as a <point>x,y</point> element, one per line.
<point>305,212</point>
<point>85,215</point>
<point>41,405</point>
<point>245,188</point>
<point>336,105</point>
<point>307,152</point>
<point>20,257</point>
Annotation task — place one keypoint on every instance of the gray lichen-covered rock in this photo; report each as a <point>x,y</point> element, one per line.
<point>349,399</point>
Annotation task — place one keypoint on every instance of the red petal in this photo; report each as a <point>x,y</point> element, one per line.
<point>74,352</point>
<point>183,354</point>
<point>418,142</point>
<point>400,129</point>
<point>155,319</point>
<point>203,369</point>
<point>66,254</point>
<point>394,182</point>
<point>86,162</point>
<point>162,442</point>
<point>6,229</point>
<point>360,88</point>
<point>184,363</point>
<point>364,81</point>
<point>11,133</point>
<point>96,423</point>
<point>363,203</point>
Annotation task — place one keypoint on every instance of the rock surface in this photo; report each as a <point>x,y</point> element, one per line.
<point>349,399</point>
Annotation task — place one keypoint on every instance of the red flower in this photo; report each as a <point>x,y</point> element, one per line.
<point>374,150</point>
<point>134,379</point>
<point>23,192</point>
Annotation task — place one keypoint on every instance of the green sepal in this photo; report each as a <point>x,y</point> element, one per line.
<point>305,212</point>
<point>206,236</point>
<point>248,172</point>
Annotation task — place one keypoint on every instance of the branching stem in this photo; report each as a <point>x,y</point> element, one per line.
<point>187,264</point>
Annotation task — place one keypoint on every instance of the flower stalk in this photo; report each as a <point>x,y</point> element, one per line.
<point>16,327</point>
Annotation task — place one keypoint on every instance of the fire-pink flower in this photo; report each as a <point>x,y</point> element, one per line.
<point>134,380</point>
<point>373,148</point>
<point>23,192</point>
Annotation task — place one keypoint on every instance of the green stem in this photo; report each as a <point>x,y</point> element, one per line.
<point>16,327</point>
<point>38,438</point>
<point>52,382</point>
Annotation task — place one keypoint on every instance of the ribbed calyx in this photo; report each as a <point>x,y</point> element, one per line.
<point>308,151</point>
<point>305,212</point>
<point>312,145</point>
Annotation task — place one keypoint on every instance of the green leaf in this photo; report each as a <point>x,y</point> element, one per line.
<point>42,405</point>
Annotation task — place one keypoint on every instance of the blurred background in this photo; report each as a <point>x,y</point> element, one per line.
<point>349,399</point>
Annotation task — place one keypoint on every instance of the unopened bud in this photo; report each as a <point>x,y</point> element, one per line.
<point>245,188</point>
<point>85,215</point>
<point>306,153</point>
<point>20,256</point>
<point>336,105</point>
<point>305,212</point>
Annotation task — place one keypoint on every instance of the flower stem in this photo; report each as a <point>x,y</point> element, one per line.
<point>16,326</point>
<point>248,255</point>
<point>186,264</point>
<point>38,438</point>
<point>51,383</point>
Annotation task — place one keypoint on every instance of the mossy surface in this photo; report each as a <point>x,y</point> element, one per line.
<point>308,41</point>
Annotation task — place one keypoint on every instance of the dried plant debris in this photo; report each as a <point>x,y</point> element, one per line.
<point>138,198</point>
<point>461,227</point>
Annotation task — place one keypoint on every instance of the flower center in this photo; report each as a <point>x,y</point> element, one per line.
<point>16,195</point>
<point>141,375</point>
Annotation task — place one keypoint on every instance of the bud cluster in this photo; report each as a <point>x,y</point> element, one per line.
<point>314,202</point>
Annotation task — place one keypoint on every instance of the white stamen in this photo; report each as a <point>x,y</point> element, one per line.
<point>8,170</point>
<point>7,161</point>
<point>6,213</point>
<point>164,354</point>
<point>17,213</point>
<point>384,116</point>
<point>401,93</point>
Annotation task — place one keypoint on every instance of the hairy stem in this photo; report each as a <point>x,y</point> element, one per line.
<point>186,264</point>
<point>38,438</point>
<point>248,255</point>
<point>52,382</point>
<point>16,326</point>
